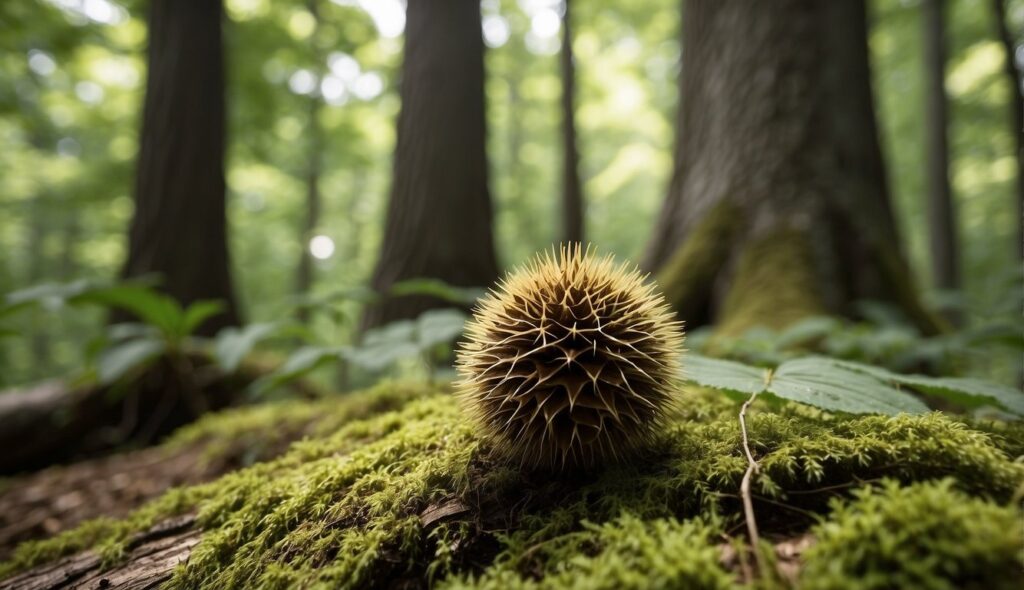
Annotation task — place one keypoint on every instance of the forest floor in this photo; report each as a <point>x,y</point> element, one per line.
<point>393,487</point>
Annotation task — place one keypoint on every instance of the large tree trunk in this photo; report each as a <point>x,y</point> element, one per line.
<point>941,212</point>
<point>1016,81</point>
<point>439,216</point>
<point>778,206</point>
<point>179,227</point>
<point>572,193</point>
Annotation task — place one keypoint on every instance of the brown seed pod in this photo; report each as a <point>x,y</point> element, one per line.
<point>570,361</point>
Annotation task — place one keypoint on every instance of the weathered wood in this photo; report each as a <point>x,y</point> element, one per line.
<point>151,560</point>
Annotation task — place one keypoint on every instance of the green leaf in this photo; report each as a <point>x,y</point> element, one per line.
<point>197,313</point>
<point>234,344</point>
<point>439,326</point>
<point>384,346</point>
<point>721,374</point>
<point>816,381</point>
<point>49,296</point>
<point>301,362</point>
<point>438,288</point>
<point>151,307</point>
<point>121,359</point>
<point>806,330</point>
<point>823,383</point>
<point>966,391</point>
<point>130,331</point>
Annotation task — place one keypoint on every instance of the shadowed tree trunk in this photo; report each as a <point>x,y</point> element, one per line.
<point>439,215</point>
<point>304,275</point>
<point>572,193</point>
<point>941,212</point>
<point>778,207</point>
<point>179,227</point>
<point>1016,81</point>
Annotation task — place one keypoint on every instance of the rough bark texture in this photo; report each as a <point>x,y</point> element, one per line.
<point>179,227</point>
<point>941,212</point>
<point>439,215</point>
<point>777,124</point>
<point>1016,81</point>
<point>572,192</point>
<point>151,560</point>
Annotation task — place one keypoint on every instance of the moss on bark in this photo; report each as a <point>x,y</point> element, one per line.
<point>774,285</point>
<point>687,277</point>
<point>410,494</point>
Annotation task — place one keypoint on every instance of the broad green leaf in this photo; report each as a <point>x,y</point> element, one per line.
<point>440,326</point>
<point>386,345</point>
<point>721,374</point>
<point>965,391</point>
<point>130,331</point>
<point>806,330</point>
<point>438,288</point>
<point>48,295</point>
<point>823,383</point>
<point>197,313</point>
<point>301,362</point>
<point>148,305</point>
<point>121,359</point>
<point>234,344</point>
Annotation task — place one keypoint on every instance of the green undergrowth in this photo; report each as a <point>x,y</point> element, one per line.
<point>406,493</point>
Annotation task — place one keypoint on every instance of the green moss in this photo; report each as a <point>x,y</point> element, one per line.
<point>624,553</point>
<point>687,277</point>
<point>774,285</point>
<point>928,536</point>
<point>348,506</point>
<point>261,428</point>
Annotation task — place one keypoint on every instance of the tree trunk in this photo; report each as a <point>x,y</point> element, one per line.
<point>304,275</point>
<point>572,193</point>
<point>778,206</point>
<point>1016,81</point>
<point>941,212</point>
<point>439,215</point>
<point>179,227</point>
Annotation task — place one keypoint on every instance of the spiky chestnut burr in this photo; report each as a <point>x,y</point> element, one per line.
<point>570,361</point>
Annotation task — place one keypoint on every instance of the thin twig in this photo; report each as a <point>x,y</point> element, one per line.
<point>748,504</point>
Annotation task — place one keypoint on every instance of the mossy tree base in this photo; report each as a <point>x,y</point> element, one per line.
<point>411,496</point>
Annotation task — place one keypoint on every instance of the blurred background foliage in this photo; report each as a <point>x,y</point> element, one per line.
<point>73,73</point>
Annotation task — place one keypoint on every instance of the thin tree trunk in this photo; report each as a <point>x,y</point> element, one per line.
<point>179,227</point>
<point>941,211</point>
<point>778,207</point>
<point>572,193</point>
<point>305,275</point>
<point>39,340</point>
<point>1016,81</point>
<point>439,214</point>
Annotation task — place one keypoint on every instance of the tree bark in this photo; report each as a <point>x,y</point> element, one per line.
<point>439,215</point>
<point>305,273</point>
<point>941,211</point>
<point>150,561</point>
<point>1016,80</point>
<point>179,227</point>
<point>572,193</point>
<point>778,206</point>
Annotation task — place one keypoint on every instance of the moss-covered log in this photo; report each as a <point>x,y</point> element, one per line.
<point>410,495</point>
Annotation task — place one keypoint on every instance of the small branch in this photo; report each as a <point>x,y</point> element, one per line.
<point>748,504</point>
